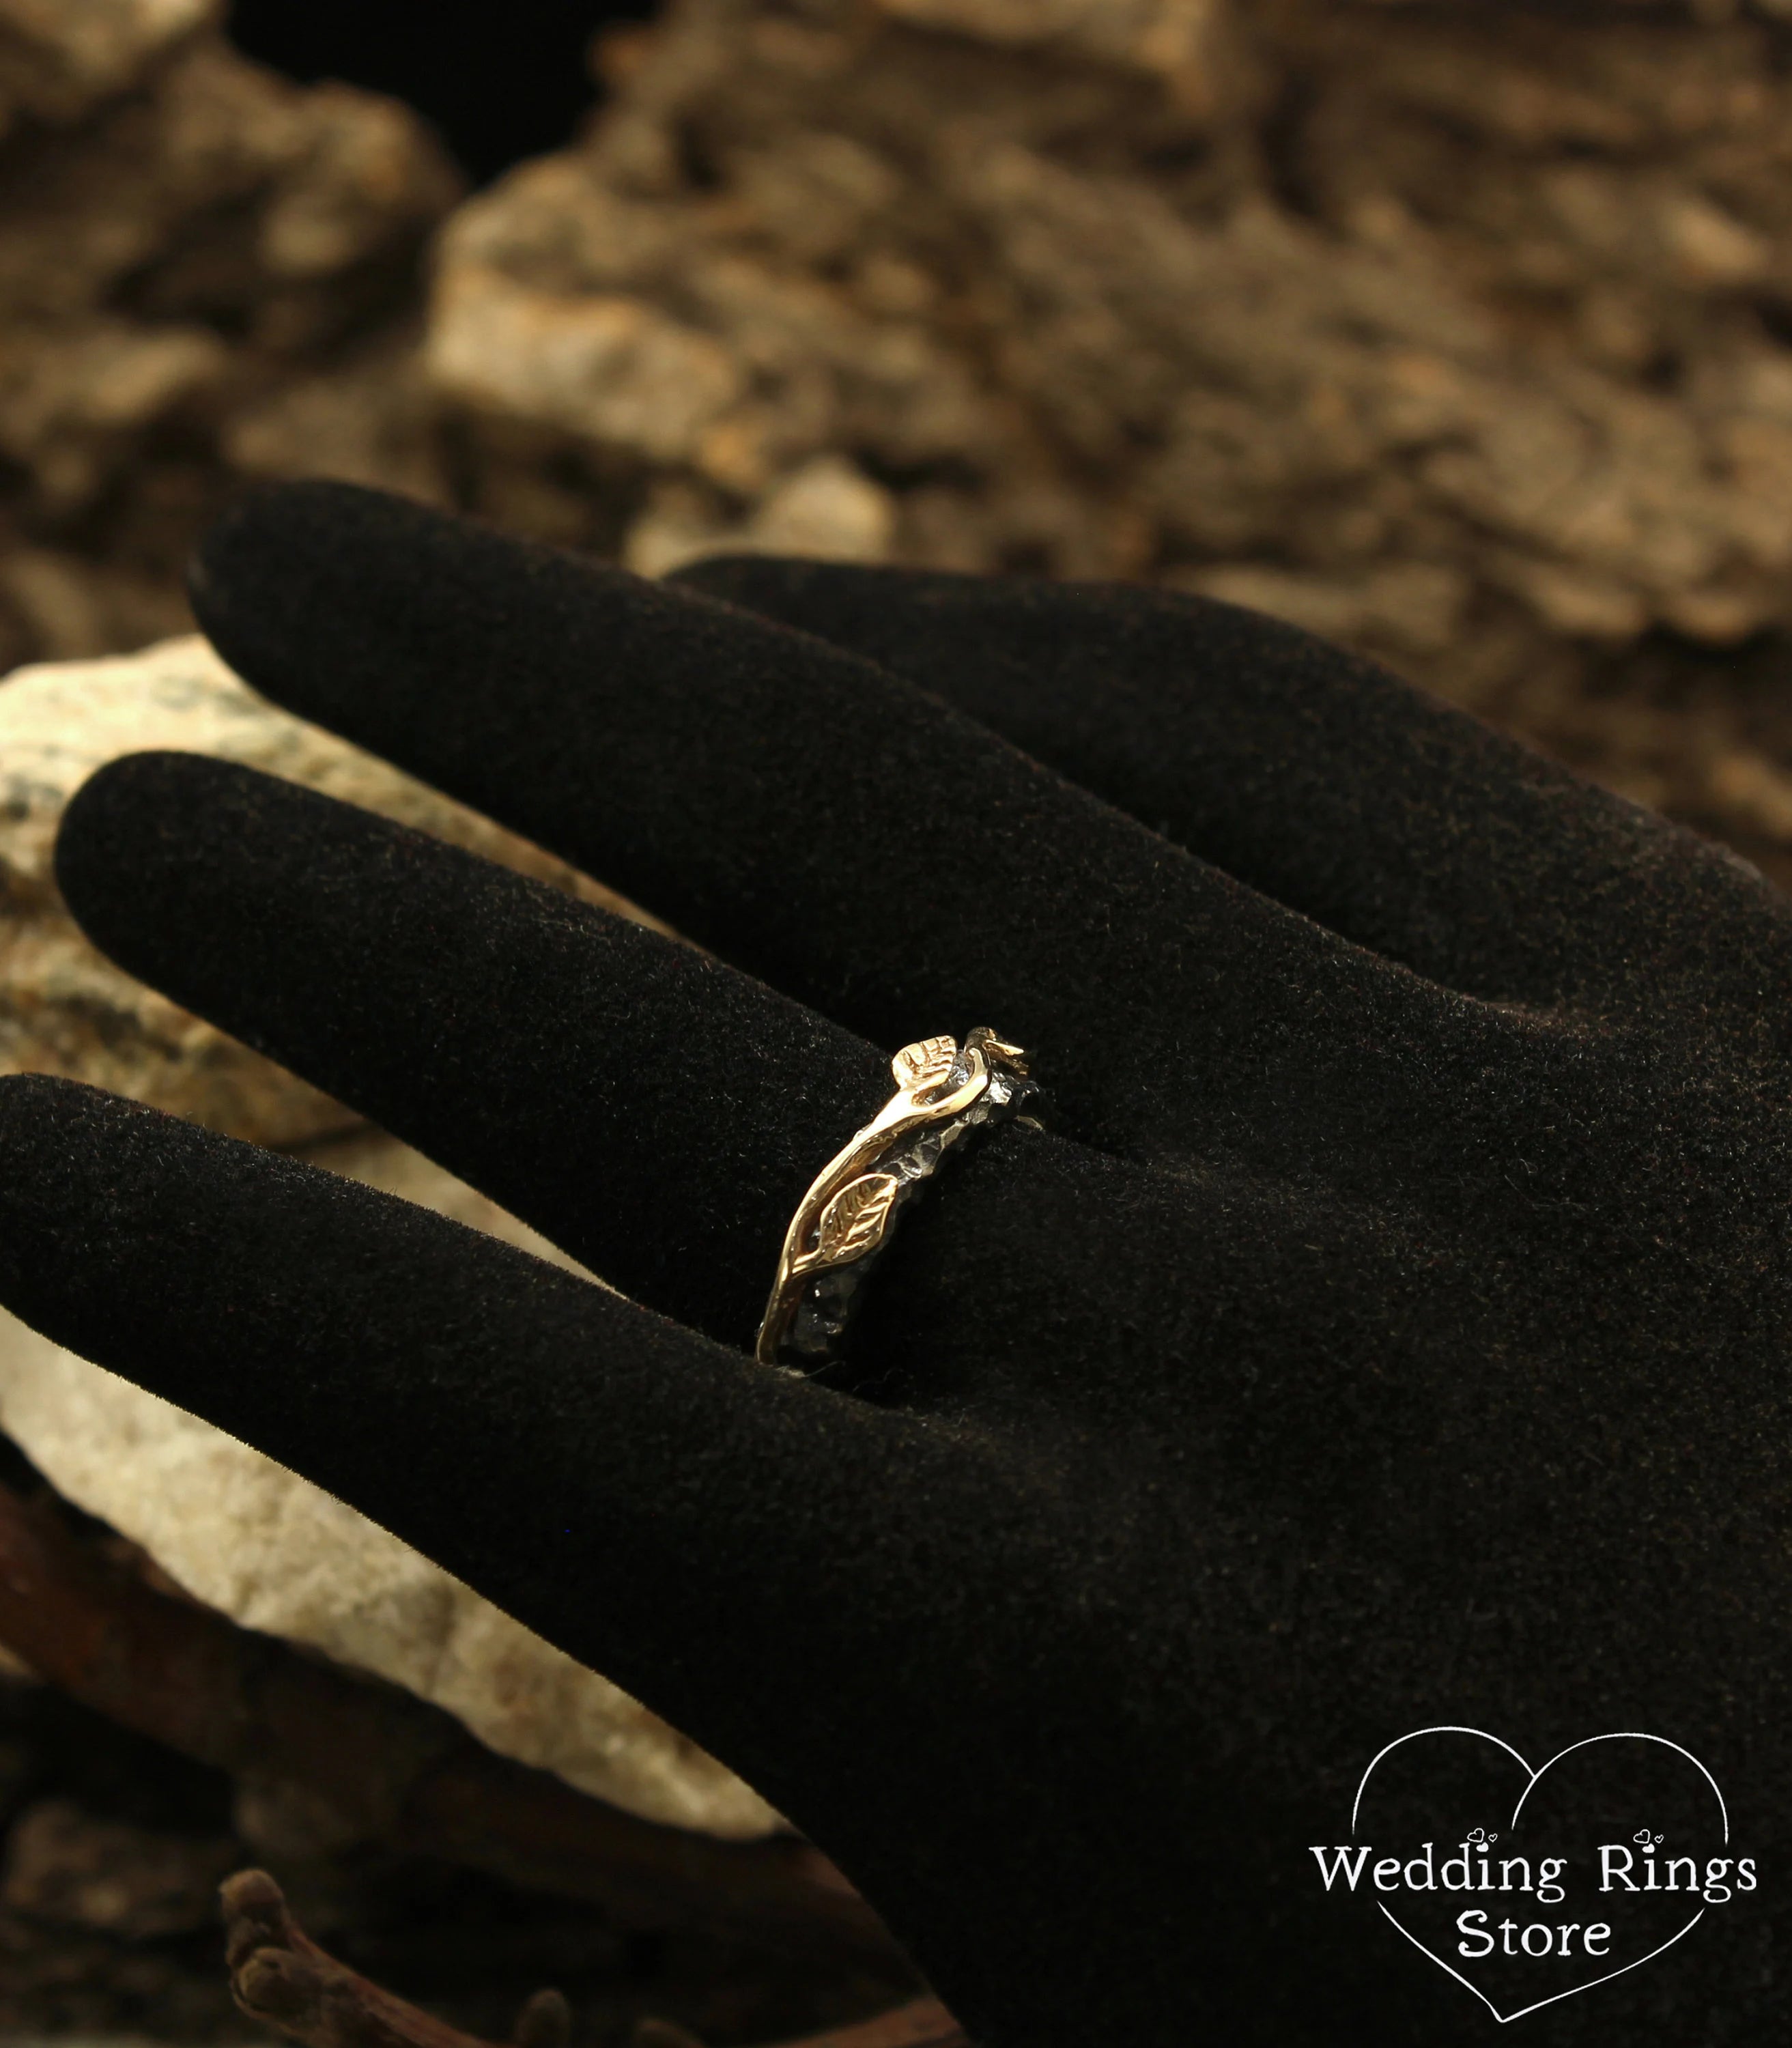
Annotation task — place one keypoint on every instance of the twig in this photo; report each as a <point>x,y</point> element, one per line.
<point>545,2021</point>
<point>398,1770</point>
<point>278,1974</point>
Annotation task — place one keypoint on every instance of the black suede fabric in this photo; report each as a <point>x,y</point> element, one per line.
<point>1390,1331</point>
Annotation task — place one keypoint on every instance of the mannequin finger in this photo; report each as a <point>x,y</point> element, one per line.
<point>656,1114</point>
<point>1384,813</point>
<point>653,1111</point>
<point>831,828</point>
<point>692,1525</point>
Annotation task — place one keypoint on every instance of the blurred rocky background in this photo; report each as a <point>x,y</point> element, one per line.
<point>1457,330</point>
<point>1462,332</point>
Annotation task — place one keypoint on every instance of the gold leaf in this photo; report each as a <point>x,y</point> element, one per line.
<point>855,1221</point>
<point>927,1060</point>
<point>999,1049</point>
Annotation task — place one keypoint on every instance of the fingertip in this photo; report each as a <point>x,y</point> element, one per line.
<point>120,788</point>
<point>29,1103</point>
<point>52,1114</point>
<point>292,576</point>
<point>132,827</point>
<point>66,1153</point>
<point>252,545</point>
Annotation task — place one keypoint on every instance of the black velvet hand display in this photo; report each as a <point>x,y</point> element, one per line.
<point>1389,1330</point>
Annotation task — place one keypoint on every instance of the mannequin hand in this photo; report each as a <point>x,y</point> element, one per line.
<point>1388,1329</point>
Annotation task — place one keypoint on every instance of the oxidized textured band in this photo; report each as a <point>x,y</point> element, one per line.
<point>944,1092</point>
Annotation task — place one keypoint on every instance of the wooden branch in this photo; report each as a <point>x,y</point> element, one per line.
<point>397,1770</point>
<point>279,1975</point>
<point>545,2021</point>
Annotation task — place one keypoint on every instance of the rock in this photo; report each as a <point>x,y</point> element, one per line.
<point>369,418</point>
<point>601,370</point>
<point>246,1536</point>
<point>1457,333</point>
<point>185,238</point>
<point>1448,333</point>
<point>60,58</point>
<point>74,609</point>
<point>828,510</point>
<point>64,1009</point>
<point>68,1869</point>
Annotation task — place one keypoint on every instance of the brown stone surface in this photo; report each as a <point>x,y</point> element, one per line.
<point>1461,333</point>
<point>59,59</point>
<point>184,238</point>
<point>63,1867</point>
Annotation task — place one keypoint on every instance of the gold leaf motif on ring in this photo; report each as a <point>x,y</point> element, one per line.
<point>854,1222</point>
<point>920,1065</point>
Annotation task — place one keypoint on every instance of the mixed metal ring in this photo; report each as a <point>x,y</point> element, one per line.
<point>945,1094</point>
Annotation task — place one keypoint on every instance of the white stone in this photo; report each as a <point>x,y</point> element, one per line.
<point>235,1529</point>
<point>64,1008</point>
<point>246,1536</point>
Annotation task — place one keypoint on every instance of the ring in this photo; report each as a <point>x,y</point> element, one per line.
<point>945,1093</point>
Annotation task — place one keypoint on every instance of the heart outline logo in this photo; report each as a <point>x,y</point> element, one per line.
<point>1533,1778</point>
